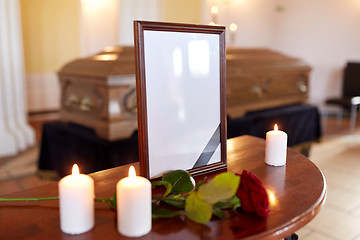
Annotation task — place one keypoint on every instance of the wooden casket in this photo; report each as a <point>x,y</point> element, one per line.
<point>100,91</point>
<point>257,79</point>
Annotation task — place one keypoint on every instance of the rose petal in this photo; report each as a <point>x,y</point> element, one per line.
<point>252,194</point>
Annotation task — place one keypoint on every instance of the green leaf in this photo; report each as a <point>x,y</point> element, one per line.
<point>173,200</point>
<point>178,202</point>
<point>179,180</point>
<point>196,209</point>
<point>167,185</point>
<point>235,203</point>
<point>199,183</point>
<point>232,203</point>
<point>221,187</point>
<point>223,204</point>
<point>218,212</point>
<point>165,213</point>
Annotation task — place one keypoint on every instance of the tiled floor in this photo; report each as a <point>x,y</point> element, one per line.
<point>339,159</point>
<point>19,173</point>
<point>338,156</point>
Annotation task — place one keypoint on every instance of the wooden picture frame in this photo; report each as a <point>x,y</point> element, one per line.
<point>181,98</point>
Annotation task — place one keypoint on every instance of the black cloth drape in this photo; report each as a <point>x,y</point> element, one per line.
<point>301,123</point>
<point>65,144</point>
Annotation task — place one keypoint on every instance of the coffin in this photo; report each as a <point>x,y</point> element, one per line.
<point>99,91</point>
<point>257,79</point>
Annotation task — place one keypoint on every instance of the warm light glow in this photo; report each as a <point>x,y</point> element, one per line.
<point>106,57</point>
<point>91,1</point>
<point>214,10</point>
<point>212,23</point>
<point>276,127</point>
<point>110,49</point>
<point>230,145</point>
<point>132,172</point>
<point>233,27</point>
<point>94,10</point>
<point>272,197</point>
<point>75,170</point>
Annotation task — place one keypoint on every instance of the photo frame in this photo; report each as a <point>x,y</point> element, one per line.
<point>181,98</point>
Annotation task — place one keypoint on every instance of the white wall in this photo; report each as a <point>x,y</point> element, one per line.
<point>253,18</point>
<point>130,10</point>
<point>324,33</point>
<point>110,22</point>
<point>98,25</point>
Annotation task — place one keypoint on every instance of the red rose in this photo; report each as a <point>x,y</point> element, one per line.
<point>252,194</point>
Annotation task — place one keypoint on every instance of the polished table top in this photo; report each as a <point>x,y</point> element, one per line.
<point>296,192</point>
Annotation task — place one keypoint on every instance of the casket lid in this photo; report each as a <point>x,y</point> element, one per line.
<point>113,61</point>
<point>254,59</point>
<point>120,60</point>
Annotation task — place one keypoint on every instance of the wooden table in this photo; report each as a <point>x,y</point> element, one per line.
<point>296,193</point>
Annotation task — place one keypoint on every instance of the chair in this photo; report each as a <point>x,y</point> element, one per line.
<point>350,99</point>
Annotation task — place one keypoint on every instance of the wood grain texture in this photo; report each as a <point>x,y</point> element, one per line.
<point>261,78</point>
<point>99,92</point>
<point>297,192</point>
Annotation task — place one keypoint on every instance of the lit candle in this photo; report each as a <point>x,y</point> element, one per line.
<point>276,146</point>
<point>76,197</point>
<point>133,205</point>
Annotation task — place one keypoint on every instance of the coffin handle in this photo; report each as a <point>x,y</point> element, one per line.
<point>302,87</point>
<point>72,100</point>
<point>258,91</point>
<point>85,104</point>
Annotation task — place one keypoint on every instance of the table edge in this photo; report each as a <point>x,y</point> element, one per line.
<point>285,230</point>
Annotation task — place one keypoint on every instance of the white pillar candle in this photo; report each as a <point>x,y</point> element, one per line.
<point>276,146</point>
<point>76,197</point>
<point>133,205</point>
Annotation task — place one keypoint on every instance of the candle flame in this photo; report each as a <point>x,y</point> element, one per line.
<point>132,172</point>
<point>75,170</point>
<point>276,127</point>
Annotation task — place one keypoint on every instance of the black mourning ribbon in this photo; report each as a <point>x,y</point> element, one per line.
<point>209,149</point>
